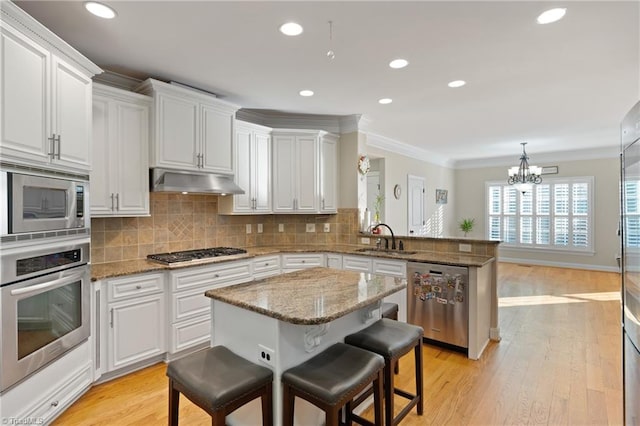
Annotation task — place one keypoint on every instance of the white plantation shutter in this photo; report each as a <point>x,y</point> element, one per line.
<point>632,213</point>
<point>555,214</point>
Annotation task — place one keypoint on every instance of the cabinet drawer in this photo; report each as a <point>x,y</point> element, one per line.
<point>266,266</point>
<point>211,275</point>
<point>356,263</point>
<point>55,403</point>
<point>187,304</point>
<point>186,334</point>
<point>302,261</point>
<point>334,261</point>
<point>137,285</point>
<point>392,268</point>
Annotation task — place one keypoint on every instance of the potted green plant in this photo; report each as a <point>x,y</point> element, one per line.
<point>377,206</point>
<point>466,225</point>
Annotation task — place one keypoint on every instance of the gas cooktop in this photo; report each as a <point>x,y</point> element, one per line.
<point>190,255</point>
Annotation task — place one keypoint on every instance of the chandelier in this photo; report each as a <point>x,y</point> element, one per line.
<point>524,175</point>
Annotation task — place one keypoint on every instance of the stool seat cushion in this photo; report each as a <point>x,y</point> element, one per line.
<point>331,374</point>
<point>387,337</point>
<point>389,310</point>
<point>216,376</point>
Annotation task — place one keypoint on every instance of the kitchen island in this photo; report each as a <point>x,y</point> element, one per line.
<point>282,321</point>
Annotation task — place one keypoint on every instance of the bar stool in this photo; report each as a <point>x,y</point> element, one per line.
<point>392,339</point>
<point>330,380</point>
<point>219,382</point>
<point>390,310</point>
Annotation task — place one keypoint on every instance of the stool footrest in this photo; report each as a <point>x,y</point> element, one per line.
<point>361,420</point>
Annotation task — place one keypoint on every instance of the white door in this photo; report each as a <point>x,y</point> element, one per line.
<point>328,175</point>
<point>284,175</point>
<point>306,163</point>
<point>262,172</point>
<point>216,135</point>
<point>177,138</point>
<point>100,177</point>
<point>415,207</point>
<point>243,202</point>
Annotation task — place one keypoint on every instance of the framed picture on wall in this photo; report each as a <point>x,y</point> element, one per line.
<point>441,196</point>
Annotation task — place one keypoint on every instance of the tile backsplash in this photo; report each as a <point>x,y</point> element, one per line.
<point>183,222</point>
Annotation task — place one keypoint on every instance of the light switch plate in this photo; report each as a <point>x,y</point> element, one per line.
<point>311,227</point>
<point>365,240</point>
<point>248,228</point>
<point>281,227</point>
<point>464,248</point>
<point>259,228</point>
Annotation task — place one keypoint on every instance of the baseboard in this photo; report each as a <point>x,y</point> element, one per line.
<point>537,262</point>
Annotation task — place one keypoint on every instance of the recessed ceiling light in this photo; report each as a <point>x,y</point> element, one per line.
<point>99,9</point>
<point>398,63</point>
<point>306,92</point>
<point>385,101</point>
<point>291,29</point>
<point>551,15</point>
<point>457,83</point>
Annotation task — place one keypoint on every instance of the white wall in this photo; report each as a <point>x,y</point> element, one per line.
<point>470,202</point>
<point>396,168</point>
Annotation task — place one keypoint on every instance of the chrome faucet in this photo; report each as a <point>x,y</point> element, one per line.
<point>393,238</point>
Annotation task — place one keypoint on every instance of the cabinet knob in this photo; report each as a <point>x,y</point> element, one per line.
<point>266,264</point>
<point>216,276</point>
<point>54,403</point>
<point>303,261</point>
<point>138,287</point>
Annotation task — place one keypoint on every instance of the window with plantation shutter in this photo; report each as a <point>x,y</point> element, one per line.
<point>556,214</point>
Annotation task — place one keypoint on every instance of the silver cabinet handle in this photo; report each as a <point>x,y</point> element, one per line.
<point>323,204</point>
<point>59,146</point>
<point>52,151</point>
<point>112,201</point>
<point>54,403</point>
<point>111,318</point>
<point>117,201</point>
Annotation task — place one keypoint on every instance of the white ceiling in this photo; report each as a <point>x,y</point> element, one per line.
<point>560,87</point>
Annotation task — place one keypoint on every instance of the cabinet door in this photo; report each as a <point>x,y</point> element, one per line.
<point>137,330</point>
<point>72,115</point>
<point>306,165</point>
<point>262,172</point>
<point>284,173</point>
<point>176,144</point>
<point>216,143</point>
<point>101,201</point>
<point>243,203</point>
<point>25,85</point>
<point>132,159</point>
<point>328,175</point>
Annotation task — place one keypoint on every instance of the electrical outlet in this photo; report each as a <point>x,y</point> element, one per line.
<point>266,355</point>
<point>259,228</point>
<point>327,227</point>
<point>311,227</point>
<point>281,227</point>
<point>464,248</point>
<point>248,228</point>
<point>364,240</point>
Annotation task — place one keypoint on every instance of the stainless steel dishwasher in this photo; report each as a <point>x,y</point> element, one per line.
<point>437,300</point>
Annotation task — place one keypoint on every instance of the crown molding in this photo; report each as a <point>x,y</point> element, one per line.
<point>544,158</point>
<point>387,144</point>
<point>120,81</point>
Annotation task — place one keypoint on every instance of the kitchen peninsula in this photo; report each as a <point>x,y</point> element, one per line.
<point>284,320</point>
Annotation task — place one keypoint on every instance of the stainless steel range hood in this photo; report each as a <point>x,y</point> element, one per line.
<point>165,180</point>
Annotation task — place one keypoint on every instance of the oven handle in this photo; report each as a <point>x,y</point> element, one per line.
<point>49,284</point>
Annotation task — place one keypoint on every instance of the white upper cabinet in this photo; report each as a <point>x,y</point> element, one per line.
<point>46,96</point>
<point>304,171</point>
<point>120,177</point>
<point>252,148</point>
<point>328,174</point>
<point>191,130</point>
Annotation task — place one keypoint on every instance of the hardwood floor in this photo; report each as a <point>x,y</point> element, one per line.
<point>559,363</point>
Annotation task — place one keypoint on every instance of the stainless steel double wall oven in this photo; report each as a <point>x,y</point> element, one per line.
<point>45,274</point>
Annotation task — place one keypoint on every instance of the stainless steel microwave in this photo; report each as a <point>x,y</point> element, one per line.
<point>32,203</point>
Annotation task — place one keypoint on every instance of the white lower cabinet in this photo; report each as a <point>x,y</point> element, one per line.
<point>356,263</point>
<point>297,262</point>
<point>266,266</point>
<point>190,309</point>
<point>48,393</point>
<point>136,319</point>
<point>334,261</point>
<point>391,268</point>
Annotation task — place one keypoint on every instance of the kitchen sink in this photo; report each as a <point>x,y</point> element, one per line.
<point>374,252</point>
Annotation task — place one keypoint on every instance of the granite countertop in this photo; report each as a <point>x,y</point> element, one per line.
<point>128,267</point>
<point>321,294</point>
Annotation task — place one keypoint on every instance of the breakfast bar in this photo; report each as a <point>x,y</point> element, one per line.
<point>283,321</point>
